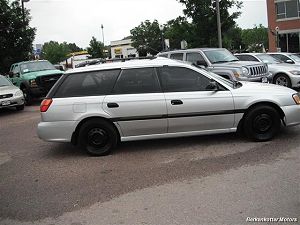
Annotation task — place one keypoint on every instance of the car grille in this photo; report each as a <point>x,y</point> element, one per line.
<point>47,81</point>
<point>6,96</point>
<point>256,71</point>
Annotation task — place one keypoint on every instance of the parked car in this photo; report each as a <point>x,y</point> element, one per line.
<point>283,73</point>
<point>223,63</point>
<point>34,78</point>
<point>291,58</point>
<point>10,95</point>
<point>99,106</point>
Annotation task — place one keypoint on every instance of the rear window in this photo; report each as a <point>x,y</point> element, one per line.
<point>88,84</point>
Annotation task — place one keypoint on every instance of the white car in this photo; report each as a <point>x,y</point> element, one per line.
<point>10,95</point>
<point>99,106</point>
<point>284,74</point>
<point>291,58</point>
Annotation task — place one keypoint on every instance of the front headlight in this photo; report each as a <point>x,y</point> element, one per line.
<point>295,72</point>
<point>32,83</point>
<point>245,71</point>
<point>296,98</point>
<point>18,93</point>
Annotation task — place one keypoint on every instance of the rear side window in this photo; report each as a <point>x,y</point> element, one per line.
<point>194,57</point>
<point>88,84</point>
<point>177,56</point>
<point>178,79</point>
<point>136,81</point>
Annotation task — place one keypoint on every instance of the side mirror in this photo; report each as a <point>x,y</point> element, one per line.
<point>201,63</point>
<point>212,86</point>
<point>289,61</point>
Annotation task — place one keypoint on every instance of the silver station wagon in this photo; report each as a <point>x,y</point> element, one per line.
<point>99,106</point>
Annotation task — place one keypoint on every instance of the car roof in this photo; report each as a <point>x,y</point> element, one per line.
<point>159,61</point>
<point>191,49</point>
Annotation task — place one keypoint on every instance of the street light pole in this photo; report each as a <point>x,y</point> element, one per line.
<point>23,11</point>
<point>102,33</point>
<point>219,23</point>
<point>161,28</point>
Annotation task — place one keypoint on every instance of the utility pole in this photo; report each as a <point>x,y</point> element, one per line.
<point>23,12</point>
<point>219,23</point>
<point>102,34</point>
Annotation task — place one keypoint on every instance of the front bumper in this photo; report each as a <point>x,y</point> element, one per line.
<point>292,115</point>
<point>13,102</point>
<point>60,131</point>
<point>265,79</point>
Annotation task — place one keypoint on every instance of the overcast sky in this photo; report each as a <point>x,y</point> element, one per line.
<point>78,20</point>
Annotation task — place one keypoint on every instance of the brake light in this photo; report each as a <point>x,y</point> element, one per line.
<point>45,104</point>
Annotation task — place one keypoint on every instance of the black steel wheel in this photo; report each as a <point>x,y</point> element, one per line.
<point>262,123</point>
<point>98,137</point>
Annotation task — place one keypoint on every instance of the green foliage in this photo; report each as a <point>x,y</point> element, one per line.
<point>177,30</point>
<point>96,48</point>
<point>147,38</point>
<point>204,17</point>
<point>256,37</point>
<point>55,52</point>
<point>16,37</point>
<point>74,48</point>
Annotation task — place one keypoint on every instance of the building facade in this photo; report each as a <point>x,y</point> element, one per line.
<point>123,49</point>
<point>284,25</point>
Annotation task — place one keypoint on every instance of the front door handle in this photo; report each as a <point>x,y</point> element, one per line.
<point>176,102</point>
<point>112,105</point>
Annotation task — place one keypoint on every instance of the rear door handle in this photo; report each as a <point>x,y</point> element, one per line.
<point>112,105</point>
<point>176,102</point>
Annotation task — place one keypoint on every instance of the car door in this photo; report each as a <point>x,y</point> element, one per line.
<point>191,105</point>
<point>137,103</point>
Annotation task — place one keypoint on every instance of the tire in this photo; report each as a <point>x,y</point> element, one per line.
<point>27,96</point>
<point>20,107</point>
<point>283,80</point>
<point>262,123</point>
<point>98,137</point>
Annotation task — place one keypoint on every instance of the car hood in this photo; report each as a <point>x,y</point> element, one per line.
<point>237,64</point>
<point>283,67</point>
<point>253,88</point>
<point>8,90</point>
<point>33,75</point>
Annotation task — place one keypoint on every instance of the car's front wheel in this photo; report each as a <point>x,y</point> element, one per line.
<point>27,96</point>
<point>98,137</point>
<point>283,80</point>
<point>262,123</point>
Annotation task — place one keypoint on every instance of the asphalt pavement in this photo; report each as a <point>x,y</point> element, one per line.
<point>218,179</point>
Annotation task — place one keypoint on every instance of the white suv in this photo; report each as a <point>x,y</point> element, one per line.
<point>98,106</point>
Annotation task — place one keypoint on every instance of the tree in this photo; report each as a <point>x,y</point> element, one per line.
<point>96,48</point>
<point>203,14</point>
<point>146,38</point>
<point>256,38</point>
<point>177,30</point>
<point>55,52</point>
<point>16,37</point>
<point>74,48</point>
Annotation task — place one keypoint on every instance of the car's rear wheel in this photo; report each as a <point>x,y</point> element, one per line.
<point>98,137</point>
<point>283,80</point>
<point>262,123</point>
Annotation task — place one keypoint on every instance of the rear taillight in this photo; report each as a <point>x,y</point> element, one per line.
<point>45,104</point>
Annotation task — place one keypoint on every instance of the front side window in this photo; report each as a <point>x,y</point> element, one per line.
<point>178,79</point>
<point>88,84</point>
<point>177,56</point>
<point>16,69</point>
<point>194,57</point>
<point>137,81</point>
<point>268,59</point>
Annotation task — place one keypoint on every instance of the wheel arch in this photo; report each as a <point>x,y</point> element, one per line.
<point>74,138</point>
<point>265,103</point>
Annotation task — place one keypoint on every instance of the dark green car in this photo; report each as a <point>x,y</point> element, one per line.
<point>34,78</point>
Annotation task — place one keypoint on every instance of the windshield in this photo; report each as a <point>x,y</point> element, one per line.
<point>4,81</point>
<point>36,66</point>
<point>220,56</point>
<point>295,57</point>
<point>268,59</point>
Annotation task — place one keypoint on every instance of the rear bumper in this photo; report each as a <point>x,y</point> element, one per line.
<point>292,115</point>
<point>60,131</point>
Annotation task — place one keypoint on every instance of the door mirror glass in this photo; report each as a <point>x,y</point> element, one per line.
<point>201,63</point>
<point>289,61</point>
<point>212,86</point>
<point>11,74</point>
